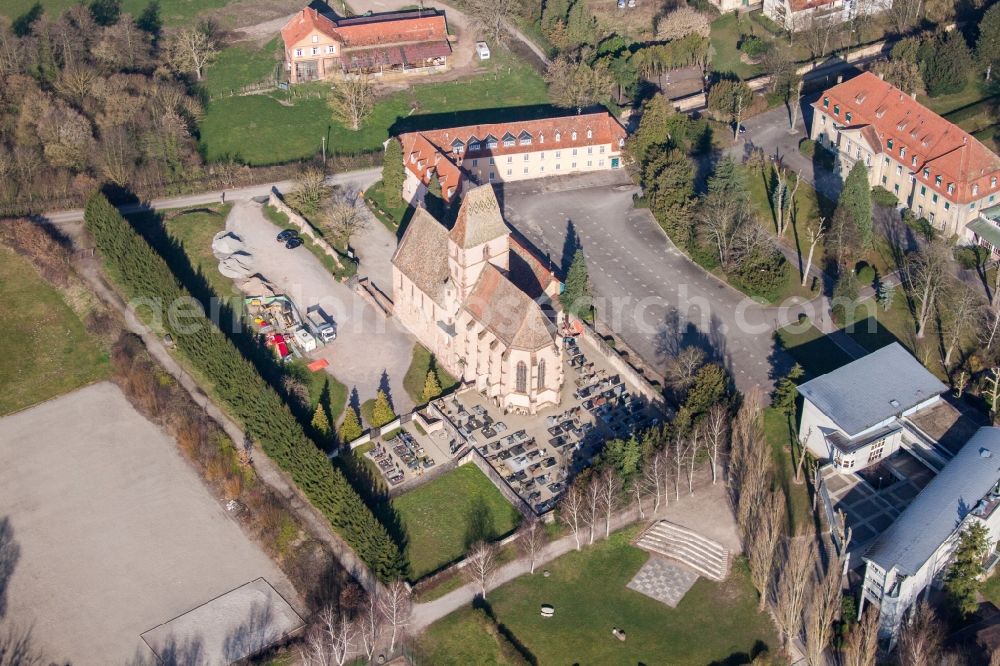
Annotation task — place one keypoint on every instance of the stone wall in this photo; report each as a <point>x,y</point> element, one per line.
<point>622,367</point>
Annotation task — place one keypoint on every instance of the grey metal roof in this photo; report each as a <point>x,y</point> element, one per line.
<point>931,518</point>
<point>873,388</point>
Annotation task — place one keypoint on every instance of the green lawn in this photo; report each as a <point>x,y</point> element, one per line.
<point>194,229</point>
<point>972,92</point>
<point>240,65</point>
<point>461,639</point>
<point>812,349</point>
<point>782,436</point>
<point>390,210</point>
<point>725,37</point>
<point>172,12</point>
<point>991,589</point>
<point>287,126</point>
<point>714,623</point>
<point>416,375</point>
<point>444,516</point>
<point>45,350</point>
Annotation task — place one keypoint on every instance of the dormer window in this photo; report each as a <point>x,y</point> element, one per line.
<point>951,188</point>
<point>902,151</point>
<point>913,161</point>
<point>457,146</point>
<point>888,144</point>
<point>573,135</point>
<point>927,173</point>
<point>473,144</point>
<point>524,138</point>
<point>508,140</point>
<point>491,141</point>
<point>975,190</point>
<point>541,138</point>
<point>993,182</point>
<point>880,112</point>
<point>836,109</point>
<point>826,102</point>
<point>848,116</point>
<point>558,136</point>
<point>590,133</point>
<point>621,142</point>
<point>937,180</point>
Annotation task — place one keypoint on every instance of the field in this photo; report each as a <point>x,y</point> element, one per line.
<point>193,229</point>
<point>443,517</point>
<point>781,436</point>
<point>45,351</point>
<point>173,12</point>
<point>714,623</point>
<point>813,350</point>
<point>416,375</point>
<point>240,65</point>
<point>282,126</point>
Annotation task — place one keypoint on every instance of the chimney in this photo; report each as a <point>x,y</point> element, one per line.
<point>840,78</point>
<point>913,95</point>
<point>881,76</point>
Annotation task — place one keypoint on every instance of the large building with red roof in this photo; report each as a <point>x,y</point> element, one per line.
<point>509,151</point>
<point>318,46</point>
<point>934,167</point>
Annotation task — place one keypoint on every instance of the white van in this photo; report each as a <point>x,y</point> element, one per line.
<point>482,51</point>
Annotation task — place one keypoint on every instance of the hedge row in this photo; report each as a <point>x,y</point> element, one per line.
<point>143,274</point>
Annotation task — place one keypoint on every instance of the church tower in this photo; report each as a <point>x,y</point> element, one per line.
<point>479,237</point>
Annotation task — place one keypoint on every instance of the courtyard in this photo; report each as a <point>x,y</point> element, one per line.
<point>110,533</point>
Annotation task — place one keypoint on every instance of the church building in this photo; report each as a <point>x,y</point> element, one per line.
<point>481,303</point>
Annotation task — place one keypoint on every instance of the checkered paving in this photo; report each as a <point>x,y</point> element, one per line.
<point>663,580</point>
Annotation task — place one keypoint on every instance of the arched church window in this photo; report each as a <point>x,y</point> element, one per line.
<point>541,375</point>
<point>522,377</point>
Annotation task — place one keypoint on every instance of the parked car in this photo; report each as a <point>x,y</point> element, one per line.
<point>293,242</point>
<point>286,235</point>
<point>482,50</point>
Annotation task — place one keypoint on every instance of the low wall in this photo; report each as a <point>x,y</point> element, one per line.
<point>477,459</point>
<point>365,288</point>
<point>303,226</point>
<point>622,367</point>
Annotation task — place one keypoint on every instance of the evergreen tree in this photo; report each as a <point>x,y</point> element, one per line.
<point>575,297</point>
<point>727,178</point>
<point>320,421</point>
<point>709,387</point>
<point>962,580</point>
<point>432,387</point>
<point>105,12</point>
<point>652,130</point>
<point>624,455</point>
<point>24,23</point>
<point>392,170</point>
<point>845,293</point>
<point>856,198</point>
<point>945,64</point>
<point>783,398</point>
<point>382,411</point>
<point>350,427</point>
<point>580,26</point>
<point>149,20</point>
<point>555,12</point>
<point>668,180</point>
<point>434,200</point>
<point>988,46</point>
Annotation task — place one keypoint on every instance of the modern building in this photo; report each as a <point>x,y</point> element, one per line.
<point>478,300</point>
<point>985,230</point>
<point>798,15</point>
<point>505,152</point>
<point>933,167</point>
<point>318,46</point>
<point>912,555</point>
<point>906,470</point>
<point>859,414</point>
<point>725,6</point>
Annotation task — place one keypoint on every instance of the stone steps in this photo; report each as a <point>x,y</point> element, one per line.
<point>703,555</point>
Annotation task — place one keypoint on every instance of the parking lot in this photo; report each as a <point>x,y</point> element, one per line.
<point>536,454</point>
<point>112,534</point>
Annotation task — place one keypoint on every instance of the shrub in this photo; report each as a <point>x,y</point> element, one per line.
<point>919,225</point>
<point>883,197</point>
<point>142,274</point>
<point>865,273</point>
<point>971,256</point>
<point>753,46</point>
<point>762,274</point>
<point>807,147</point>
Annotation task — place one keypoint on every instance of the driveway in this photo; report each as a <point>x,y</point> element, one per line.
<point>645,289</point>
<point>368,344</point>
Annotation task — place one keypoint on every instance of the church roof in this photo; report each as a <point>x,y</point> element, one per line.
<point>479,220</point>
<point>422,255</point>
<point>508,312</point>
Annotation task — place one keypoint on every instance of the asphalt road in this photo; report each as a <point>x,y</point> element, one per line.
<point>645,289</point>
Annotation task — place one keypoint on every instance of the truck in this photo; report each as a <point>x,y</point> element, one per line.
<point>320,324</point>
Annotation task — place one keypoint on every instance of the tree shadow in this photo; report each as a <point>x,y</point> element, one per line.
<point>570,245</point>
<point>10,553</point>
<point>384,386</point>
<point>354,400</point>
<point>675,333</point>
<point>480,522</point>
<point>484,606</point>
<point>759,649</point>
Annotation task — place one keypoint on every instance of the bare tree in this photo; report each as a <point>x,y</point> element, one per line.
<point>784,199</point>
<point>343,217</point>
<point>480,565</point>
<point>331,640</point>
<point>370,623</point>
<point>791,586</point>
<point>716,435</point>
<point>17,647</point>
<point>761,542</point>
<point>958,313</point>
<point>395,604</point>
<point>989,325</point>
<point>491,18</point>
<point>796,102</point>
<point>531,539</point>
<point>310,193</point>
<point>824,604</point>
<point>611,487</point>
<point>651,474</point>
<point>191,49</point>
<point>682,367</point>
<point>921,637</point>
<point>692,458</point>
<point>592,506</point>
<point>352,99</point>
<point>682,449</point>
<point>991,389</point>
<point>571,510</point>
<point>815,232</point>
<point>861,646</point>
<point>750,461</point>
<point>723,217</point>
<point>926,274</point>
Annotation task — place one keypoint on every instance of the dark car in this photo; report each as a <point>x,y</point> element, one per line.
<point>293,242</point>
<point>286,235</point>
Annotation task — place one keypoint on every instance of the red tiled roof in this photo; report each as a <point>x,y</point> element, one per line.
<point>801,5</point>
<point>305,22</point>
<point>944,149</point>
<point>555,133</point>
<point>397,31</point>
<point>387,56</point>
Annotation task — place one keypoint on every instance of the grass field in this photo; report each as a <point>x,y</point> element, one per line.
<point>416,375</point>
<point>391,210</point>
<point>45,350</point>
<point>172,12</point>
<point>286,126</point>
<point>781,438</point>
<point>194,229</point>
<point>714,623</point>
<point>460,639</point>
<point>240,65</point>
<point>814,351</point>
<point>444,516</point>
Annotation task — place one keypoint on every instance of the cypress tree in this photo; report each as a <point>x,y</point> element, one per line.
<point>857,201</point>
<point>392,170</point>
<point>432,387</point>
<point>962,580</point>
<point>350,428</point>
<point>382,412</point>
<point>320,421</point>
<point>575,298</point>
